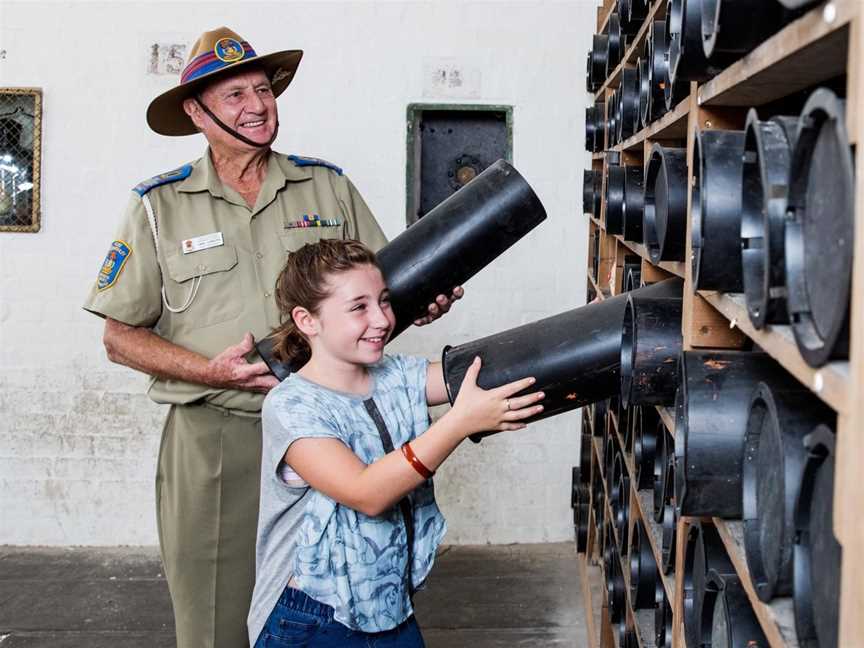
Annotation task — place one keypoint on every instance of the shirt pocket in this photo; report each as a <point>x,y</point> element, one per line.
<point>209,281</point>
<point>295,238</point>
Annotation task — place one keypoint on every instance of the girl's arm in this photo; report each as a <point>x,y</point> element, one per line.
<point>333,469</point>
<point>436,391</point>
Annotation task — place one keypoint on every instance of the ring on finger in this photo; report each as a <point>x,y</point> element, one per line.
<point>507,402</point>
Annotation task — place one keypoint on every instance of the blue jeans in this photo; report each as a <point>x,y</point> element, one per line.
<point>298,621</point>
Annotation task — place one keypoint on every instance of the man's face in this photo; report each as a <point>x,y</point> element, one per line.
<point>243,102</point>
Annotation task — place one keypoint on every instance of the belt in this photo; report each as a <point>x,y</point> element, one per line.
<point>226,410</point>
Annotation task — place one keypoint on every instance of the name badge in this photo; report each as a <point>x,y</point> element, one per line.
<point>203,242</point>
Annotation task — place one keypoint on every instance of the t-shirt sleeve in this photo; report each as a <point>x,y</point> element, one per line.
<point>127,286</point>
<point>362,225</point>
<point>289,417</point>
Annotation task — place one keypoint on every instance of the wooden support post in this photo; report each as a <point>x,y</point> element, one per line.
<point>848,486</point>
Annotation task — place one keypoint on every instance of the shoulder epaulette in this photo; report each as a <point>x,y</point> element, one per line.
<point>301,161</point>
<point>163,178</point>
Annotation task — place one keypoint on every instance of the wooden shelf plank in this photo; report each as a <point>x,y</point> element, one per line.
<point>677,268</point>
<point>592,595</point>
<point>776,618</point>
<point>805,52</point>
<point>830,382</point>
<point>672,125</point>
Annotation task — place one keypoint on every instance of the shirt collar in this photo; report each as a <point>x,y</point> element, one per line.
<point>279,170</point>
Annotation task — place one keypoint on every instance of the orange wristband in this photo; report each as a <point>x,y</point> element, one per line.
<point>416,464</point>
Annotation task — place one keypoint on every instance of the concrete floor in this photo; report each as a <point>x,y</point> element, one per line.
<point>478,596</point>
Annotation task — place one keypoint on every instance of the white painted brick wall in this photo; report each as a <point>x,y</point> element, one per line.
<point>78,438</point>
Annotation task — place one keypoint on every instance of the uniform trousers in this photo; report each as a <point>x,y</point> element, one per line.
<point>207,491</point>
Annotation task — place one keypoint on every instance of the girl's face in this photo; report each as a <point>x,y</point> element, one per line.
<point>355,320</point>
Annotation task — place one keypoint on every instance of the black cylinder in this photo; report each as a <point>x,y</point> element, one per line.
<point>658,70</point>
<point>449,245</point>
<point>621,502</point>
<point>704,551</point>
<point>633,278</point>
<point>781,414</point>
<point>650,345</point>
<point>687,60</point>
<point>662,617</point>
<point>644,90</point>
<point>598,418</point>
<point>629,103</point>
<point>712,406</point>
<point>594,128</point>
<point>625,423</point>
<point>728,620</point>
<point>669,522</point>
<point>634,201</point>
<point>638,12</point>
<point>610,451</point>
<point>591,129</point>
<point>599,126</point>
<point>632,267</point>
<point>643,569</point>
<point>817,554</point>
<point>677,86</point>
<point>732,28</point>
<point>457,239</point>
<point>581,504</point>
<point>616,589</point>
<point>585,452</point>
<point>616,43</point>
<point>715,210</point>
<point>819,232</point>
<point>592,182</point>
<point>645,445</point>
<point>575,356</point>
<point>615,178</point>
<point>599,56</point>
<point>691,597</point>
<point>665,211</point>
<point>620,418</point>
<point>611,123</point>
<point>589,83</point>
<point>595,258</point>
<point>597,498</point>
<point>663,444</point>
<point>765,179</point>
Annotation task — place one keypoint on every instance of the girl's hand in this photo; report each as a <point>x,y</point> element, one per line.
<point>481,410</point>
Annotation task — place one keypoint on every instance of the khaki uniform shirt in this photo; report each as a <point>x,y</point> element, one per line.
<point>230,285</point>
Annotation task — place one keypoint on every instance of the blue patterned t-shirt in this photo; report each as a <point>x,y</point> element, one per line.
<point>338,556</point>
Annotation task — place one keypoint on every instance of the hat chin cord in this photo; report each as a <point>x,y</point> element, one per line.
<point>234,133</point>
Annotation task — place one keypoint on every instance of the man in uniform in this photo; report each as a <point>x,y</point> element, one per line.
<point>185,290</point>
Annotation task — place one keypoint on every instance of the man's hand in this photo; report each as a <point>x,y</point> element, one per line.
<point>441,305</point>
<point>230,369</point>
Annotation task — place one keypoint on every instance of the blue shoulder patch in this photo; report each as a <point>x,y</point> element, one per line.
<point>163,178</point>
<point>310,161</point>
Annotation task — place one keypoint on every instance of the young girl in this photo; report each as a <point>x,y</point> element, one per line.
<point>348,525</point>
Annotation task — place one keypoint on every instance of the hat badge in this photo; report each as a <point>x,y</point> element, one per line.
<point>228,50</point>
